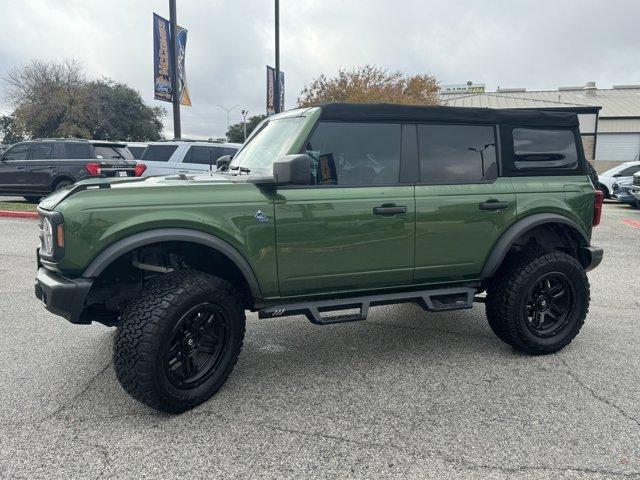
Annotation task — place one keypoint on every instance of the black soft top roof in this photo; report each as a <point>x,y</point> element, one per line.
<point>414,113</point>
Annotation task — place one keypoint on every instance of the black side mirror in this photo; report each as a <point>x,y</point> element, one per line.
<point>223,163</point>
<point>292,170</point>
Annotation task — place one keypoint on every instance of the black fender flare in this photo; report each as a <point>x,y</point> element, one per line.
<point>119,248</point>
<point>509,237</point>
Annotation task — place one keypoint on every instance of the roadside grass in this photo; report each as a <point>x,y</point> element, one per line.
<point>18,206</point>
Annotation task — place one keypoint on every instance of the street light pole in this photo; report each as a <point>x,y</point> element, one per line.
<point>244,123</point>
<point>276,91</point>
<point>228,110</point>
<point>173,48</point>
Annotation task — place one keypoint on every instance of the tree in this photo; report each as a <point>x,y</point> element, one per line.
<point>120,113</point>
<point>9,131</point>
<point>370,84</point>
<point>55,100</point>
<point>236,131</point>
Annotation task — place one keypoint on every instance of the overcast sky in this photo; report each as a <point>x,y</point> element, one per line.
<point>539,44</point>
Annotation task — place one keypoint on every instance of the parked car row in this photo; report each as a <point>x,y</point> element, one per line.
<point>616,183</point>
<point>634,189</point>
<point>35,168</point>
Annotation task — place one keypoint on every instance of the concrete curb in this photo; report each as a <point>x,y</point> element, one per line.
<point>14,214</point>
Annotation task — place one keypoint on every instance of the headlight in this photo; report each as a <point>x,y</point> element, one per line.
<point>47,237</point>
<point>51,235</point>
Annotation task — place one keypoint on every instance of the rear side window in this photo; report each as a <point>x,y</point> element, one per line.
<point>456,153</point>
<point>136,152</point>
<point>41,151</point>
<point>78,150</point>
<point>355,153</point>
<point>203,155</point>
<point>546,149</point>
<point>229,151</point>
<point>158,153</point>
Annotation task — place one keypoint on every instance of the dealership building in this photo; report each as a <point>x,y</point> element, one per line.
<point>609,118</point>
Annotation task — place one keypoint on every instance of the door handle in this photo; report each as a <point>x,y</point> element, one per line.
<point>389,209</point>
<point>492,205</point>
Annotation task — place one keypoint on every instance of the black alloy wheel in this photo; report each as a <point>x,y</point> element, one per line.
<point>548,304</point>
<point>199,341</point>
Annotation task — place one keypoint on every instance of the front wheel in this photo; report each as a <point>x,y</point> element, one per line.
<point>538,301</point>
<point>179,340</point>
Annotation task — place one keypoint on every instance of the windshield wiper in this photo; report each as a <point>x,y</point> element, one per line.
<point>240,169</point>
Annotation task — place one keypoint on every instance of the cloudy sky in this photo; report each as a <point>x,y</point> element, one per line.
<point>539,44</point>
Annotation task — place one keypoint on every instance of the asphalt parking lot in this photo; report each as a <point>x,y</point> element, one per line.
<point>405,394</point>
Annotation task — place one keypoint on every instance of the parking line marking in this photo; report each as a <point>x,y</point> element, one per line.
<point>633,223</point>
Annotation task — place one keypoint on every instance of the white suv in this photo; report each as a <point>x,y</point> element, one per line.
<point>615,174</point>
<point>166,158</point>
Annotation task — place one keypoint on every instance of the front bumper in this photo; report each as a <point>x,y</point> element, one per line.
<point>591,256</point>
<point>62,296</point>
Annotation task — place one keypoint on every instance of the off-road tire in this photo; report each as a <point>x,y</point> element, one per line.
<point>146,329</point>
<point>507,295</point>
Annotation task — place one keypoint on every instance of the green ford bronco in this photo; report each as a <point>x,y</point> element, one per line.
<point>326,212</point>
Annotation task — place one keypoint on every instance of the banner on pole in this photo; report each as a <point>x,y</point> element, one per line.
<point>162,65</point>
<point>271,90</point>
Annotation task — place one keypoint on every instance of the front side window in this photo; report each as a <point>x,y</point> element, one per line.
<point>271,141</point>
<point>158,153</point>
<point>538,148</point>
<point>456,153</point>
<point>78,150</point>
<point>17,152</point>
<point>42,151</point>
<point>203,155</point>
<point>355,153</point>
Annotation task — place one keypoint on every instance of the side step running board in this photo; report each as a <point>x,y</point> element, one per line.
<point>432,300</point>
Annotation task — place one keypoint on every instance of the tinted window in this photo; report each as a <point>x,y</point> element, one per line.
<point>229,151</point>
<point>159,153</point>
<point>355,153</point>
<point>536,148</point>
<point>629,171</point>
<point>456,153</point>
<point>17,152</point>
<point>41,151</point>
<point>78,150</point>
<point>136,152</point>
<point>106,151</point>
<point>202,155</point>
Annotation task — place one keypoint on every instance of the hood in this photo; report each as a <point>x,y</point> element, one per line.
<point>51,201</point>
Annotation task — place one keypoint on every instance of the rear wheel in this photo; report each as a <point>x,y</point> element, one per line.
<point>61,184</point>
<point>538,301</point>
<point>179,340</point>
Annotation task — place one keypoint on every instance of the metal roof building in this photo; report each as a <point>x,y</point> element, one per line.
<point>615,131</point>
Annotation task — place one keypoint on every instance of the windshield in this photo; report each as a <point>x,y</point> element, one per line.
<point>271,142</point>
